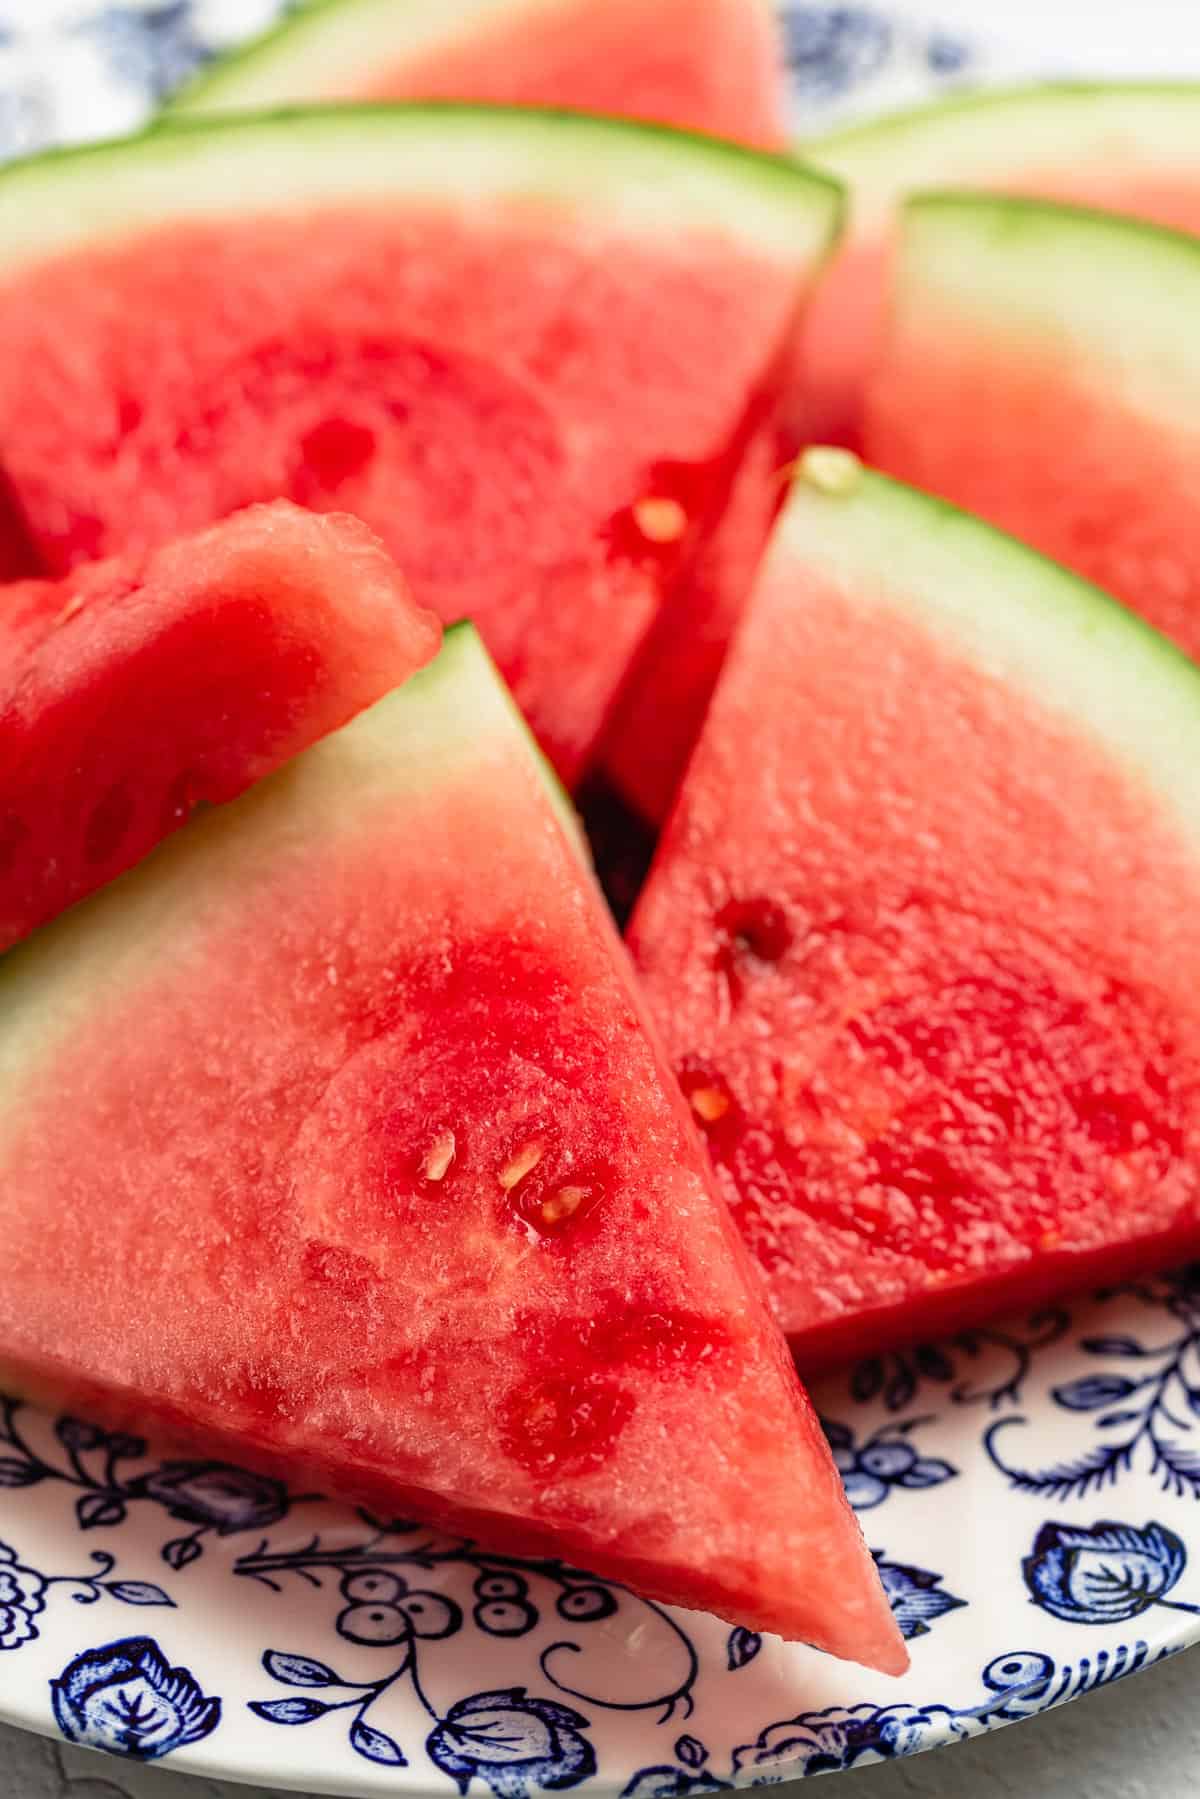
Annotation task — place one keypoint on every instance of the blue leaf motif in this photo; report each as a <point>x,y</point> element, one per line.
<point>1103,1575</point>
<point>1094,1391</point>
<point>1115,1346</point>
<point>927,1472</point>
<point>96,1509</point>
<point>376,1746</point>
<point>742,1647</point>
<point>298,1670</point>
<point>180,1551</point>
<point>512,1743</point>
<point>915,1595</point>
<point>691,1752</point>
<point>19,1474</point>
<point>136,1592</point>
<point>288,1711</point>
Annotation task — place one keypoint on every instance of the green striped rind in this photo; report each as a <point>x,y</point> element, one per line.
<point>1018,617</point>
<point>1116,130</point>
<point>643,179</point>
<point>453,721</point>
<point>329,46</point>
<point>1114,299</point>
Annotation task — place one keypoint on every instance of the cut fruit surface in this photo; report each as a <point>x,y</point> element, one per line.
<point>137,689</point>
<point>923,936</point>
<point>705,65</point>
<point>512,342</point>
<point>1127,147</point>
<point>1071,331</point>
<point>358,1065</point>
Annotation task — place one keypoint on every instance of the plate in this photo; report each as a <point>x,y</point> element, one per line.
<point>1030,1491</point>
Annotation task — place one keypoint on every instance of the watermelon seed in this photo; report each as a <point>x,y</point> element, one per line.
<point>523,1163</point>
<point>831,471</point>
<point>660,520</point>
<point>440,1156</point>
<point>709,1104</point>
<point>563,1204</point>
<point>73,607</point>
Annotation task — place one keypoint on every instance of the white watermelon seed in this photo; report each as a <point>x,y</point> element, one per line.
<point>660,520</point>
<point>522,1164</point>
<point>831,471</point>
<point>440,1156</point>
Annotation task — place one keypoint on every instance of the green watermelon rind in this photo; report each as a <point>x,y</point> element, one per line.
<point>650,179</point>
<point>304,46</point>
<point>985,137</point>
<point>1073,648</point>
<point>443,719</point>
<point>1113,297</point>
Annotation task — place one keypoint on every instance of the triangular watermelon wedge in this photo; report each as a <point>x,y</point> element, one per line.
<point>135,690</point>
<point>333,1131</point>
<point>923,937</point>
<point>1073,333</point>
<point>1129,147</point>
<point>520,345</point>
<point>706,65</point>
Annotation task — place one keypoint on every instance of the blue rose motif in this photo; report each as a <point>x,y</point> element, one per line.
<point>1104,1575</point>
<point>223,1498</point>
<point>123,1697</point>
<point>513,1743</point>
<point>22,1597</point>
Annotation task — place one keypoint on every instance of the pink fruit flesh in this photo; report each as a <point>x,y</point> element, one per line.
<point>138,689</point>
<point>917,946</point>
<point>445,1235</point>
<point>411,373</point>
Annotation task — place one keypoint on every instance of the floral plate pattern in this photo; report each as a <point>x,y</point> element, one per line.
<point>1031,1492</point>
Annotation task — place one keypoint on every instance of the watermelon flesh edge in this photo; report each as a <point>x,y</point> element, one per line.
<point>1126,148</point>
<point>138,689</point>
<point>919,932</point>
<point>538,454</point>
<point>1071,332</point>
<point>448,1241</point>
<point>703,65</point>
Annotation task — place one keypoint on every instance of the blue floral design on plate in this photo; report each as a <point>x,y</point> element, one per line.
<point>512,1744</point>
<point>124,1697</point>
<point>1105,1574</point>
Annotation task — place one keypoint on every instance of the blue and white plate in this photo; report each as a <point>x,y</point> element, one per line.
<point>1031,1493</point>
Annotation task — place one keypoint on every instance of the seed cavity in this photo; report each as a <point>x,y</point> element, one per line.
<point>709,1104</point>
<point>659,519</point>
<point>437,1162</point>
<point>523,1163</point>
<point>830,471</point>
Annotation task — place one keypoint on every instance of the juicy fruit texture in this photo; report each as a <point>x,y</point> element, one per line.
<point>1131,148</point>
<point>136,690</point>
<point>923,933</point>
<point>1072,333</point>
<point>448,1240</point>
<point>519,345</point>
<point>704,65</point>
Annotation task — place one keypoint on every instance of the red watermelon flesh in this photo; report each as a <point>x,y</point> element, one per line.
<point>137,689</point>
<point>447,1238</point>
<point>923,936</point>
<point>705,65</point>
<point>520,345</point>
<point>659,714</point>
<point>1071,330</point>
<point>1132,149</point>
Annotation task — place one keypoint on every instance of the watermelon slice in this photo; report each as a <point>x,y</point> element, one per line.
<point>923,936</point>
<point>520,345</point>
<point>135,690</point>
<point>1072,332</point>
<point>706,65</point>
<point>1130,148</point>
<point>446,1234</point>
